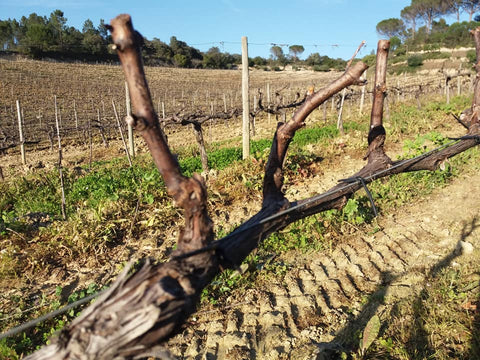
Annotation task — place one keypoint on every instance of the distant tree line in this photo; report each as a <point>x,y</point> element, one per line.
<point>50,37</point>
<point>38,37</point>
<point>422,25</point>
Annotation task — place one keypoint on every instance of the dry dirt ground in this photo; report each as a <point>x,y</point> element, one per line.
<point>325,297</point>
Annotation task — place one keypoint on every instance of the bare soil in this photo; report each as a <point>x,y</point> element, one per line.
<point>326,297</point>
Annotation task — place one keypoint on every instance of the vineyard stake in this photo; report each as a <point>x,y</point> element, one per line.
<point>340,113</point>
<point>121,133</point>
<point>362,97</point>
<point>459,80</point>
<point>60,172</point>
<point>447,88</point>
<point>90,144</point>
<point>20,130</point>
<point>268,101</point>
<point>75,115</point>
<point>252,124</point>
<point>131,143</point>
<point>245,98</point>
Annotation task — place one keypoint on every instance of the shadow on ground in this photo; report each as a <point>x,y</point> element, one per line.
<point>418,345</point>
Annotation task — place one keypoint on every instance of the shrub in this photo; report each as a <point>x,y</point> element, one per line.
<point>431,47</point>
<point>259,61</point>
<point>437,55</point>
<point>400,50</point>
<point>369,59</point>
<point>180,60</point>
<point>471,56</point>
<point>415,60</point>
<point>321,68</point>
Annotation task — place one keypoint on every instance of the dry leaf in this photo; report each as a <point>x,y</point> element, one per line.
<point>470,306</point>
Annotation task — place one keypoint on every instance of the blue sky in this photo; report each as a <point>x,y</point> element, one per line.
<point>330,27</point>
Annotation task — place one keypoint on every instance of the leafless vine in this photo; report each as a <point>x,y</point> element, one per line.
<point>140,311</point>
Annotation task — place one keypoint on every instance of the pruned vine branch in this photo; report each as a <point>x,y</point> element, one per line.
<point>140,311</point>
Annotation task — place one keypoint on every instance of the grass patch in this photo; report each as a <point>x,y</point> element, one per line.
<point>114,180</point>
<point>14,347</point>
<point>437,323</point>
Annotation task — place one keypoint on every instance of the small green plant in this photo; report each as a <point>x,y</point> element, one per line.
<point>229,280</point>
<point>356,211</point>
<point>369,335</point>
<point>304,235</point>
<point>420,144</point>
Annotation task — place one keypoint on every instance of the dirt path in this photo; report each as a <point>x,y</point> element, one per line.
<point>325,298</point>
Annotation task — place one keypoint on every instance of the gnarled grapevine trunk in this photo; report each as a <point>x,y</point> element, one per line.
<point>141,310</point>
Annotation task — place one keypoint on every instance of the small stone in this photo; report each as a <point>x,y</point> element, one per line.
<point>464,248</point>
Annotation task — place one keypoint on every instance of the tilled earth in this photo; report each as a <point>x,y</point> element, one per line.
<point>326,297</point>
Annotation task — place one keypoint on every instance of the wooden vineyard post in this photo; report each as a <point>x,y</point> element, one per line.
<point>131,143</point>
<point>362,96</point>
<point>387,107</point>
<point>447,88</point>
<point>340,113</point>
<point>211,124</point>
<point>162,121</point>
<point>197,129</point>
<point>75,114</point>
<point>268,101</point>
<point>245,98</point>
<point>252,124</point>
<point>100,127</point>
<point>20,130</point>
<point>60,172</point>
<point>90,145</point>
<point>459,80</point>
<point>121,133</point>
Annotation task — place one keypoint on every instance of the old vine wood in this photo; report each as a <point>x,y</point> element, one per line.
<point>140,311</point>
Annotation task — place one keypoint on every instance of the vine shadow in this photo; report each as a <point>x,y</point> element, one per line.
<point>346,341</point>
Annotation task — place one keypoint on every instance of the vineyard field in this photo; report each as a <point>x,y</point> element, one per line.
<point>310,290</point>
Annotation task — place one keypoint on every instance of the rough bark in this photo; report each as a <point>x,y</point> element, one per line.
<point>142,310</point>
<point>197,128</point>
<point>476,91</point>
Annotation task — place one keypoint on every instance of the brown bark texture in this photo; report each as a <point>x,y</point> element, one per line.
<point>476,91</point>
<point>141,310</point>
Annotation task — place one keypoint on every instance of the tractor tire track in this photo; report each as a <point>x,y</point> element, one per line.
<point>324,292</point>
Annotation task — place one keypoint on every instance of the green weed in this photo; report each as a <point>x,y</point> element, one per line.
<point>26,342</point>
